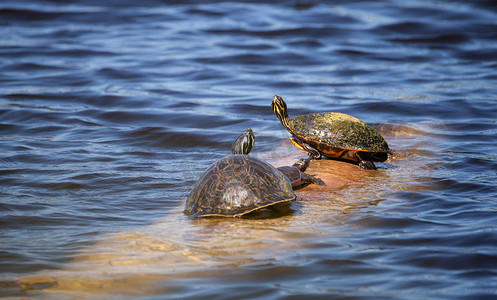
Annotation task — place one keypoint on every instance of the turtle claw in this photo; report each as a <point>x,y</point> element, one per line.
<point>366,164</point>
<point>315,156</point>
<point>317,181</point>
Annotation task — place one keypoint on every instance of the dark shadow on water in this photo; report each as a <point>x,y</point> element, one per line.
<point>275,211</point>
<point>272,212</point>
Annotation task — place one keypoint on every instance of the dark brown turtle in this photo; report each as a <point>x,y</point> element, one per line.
<point>334,135</point>
<point>238,184</point>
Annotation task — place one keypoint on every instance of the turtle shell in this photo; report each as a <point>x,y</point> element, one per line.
<point>236,185</point>
<point>339,135</point>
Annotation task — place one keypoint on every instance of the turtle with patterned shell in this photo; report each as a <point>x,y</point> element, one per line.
<point>334,135</point>
<point>238,184</point>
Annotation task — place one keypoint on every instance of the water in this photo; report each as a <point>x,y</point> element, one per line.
<point>110,112</point>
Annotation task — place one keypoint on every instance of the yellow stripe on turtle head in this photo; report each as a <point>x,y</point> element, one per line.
<point>280,110</point>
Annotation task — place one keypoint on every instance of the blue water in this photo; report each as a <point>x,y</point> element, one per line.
<point>110,111</point>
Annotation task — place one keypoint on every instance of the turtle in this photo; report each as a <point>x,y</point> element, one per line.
<point>238,184</point>
<point>243,145</point>
<point>334,135</point>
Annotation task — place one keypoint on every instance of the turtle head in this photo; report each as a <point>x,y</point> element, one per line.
<point>244,143</point>
<point>280,110</point>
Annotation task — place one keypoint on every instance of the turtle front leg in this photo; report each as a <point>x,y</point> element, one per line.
<point>365,164</point>
<point>303,163</point>
<point>302,145</point>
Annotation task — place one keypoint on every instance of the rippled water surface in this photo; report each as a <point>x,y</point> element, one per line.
<point>110,110</point>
